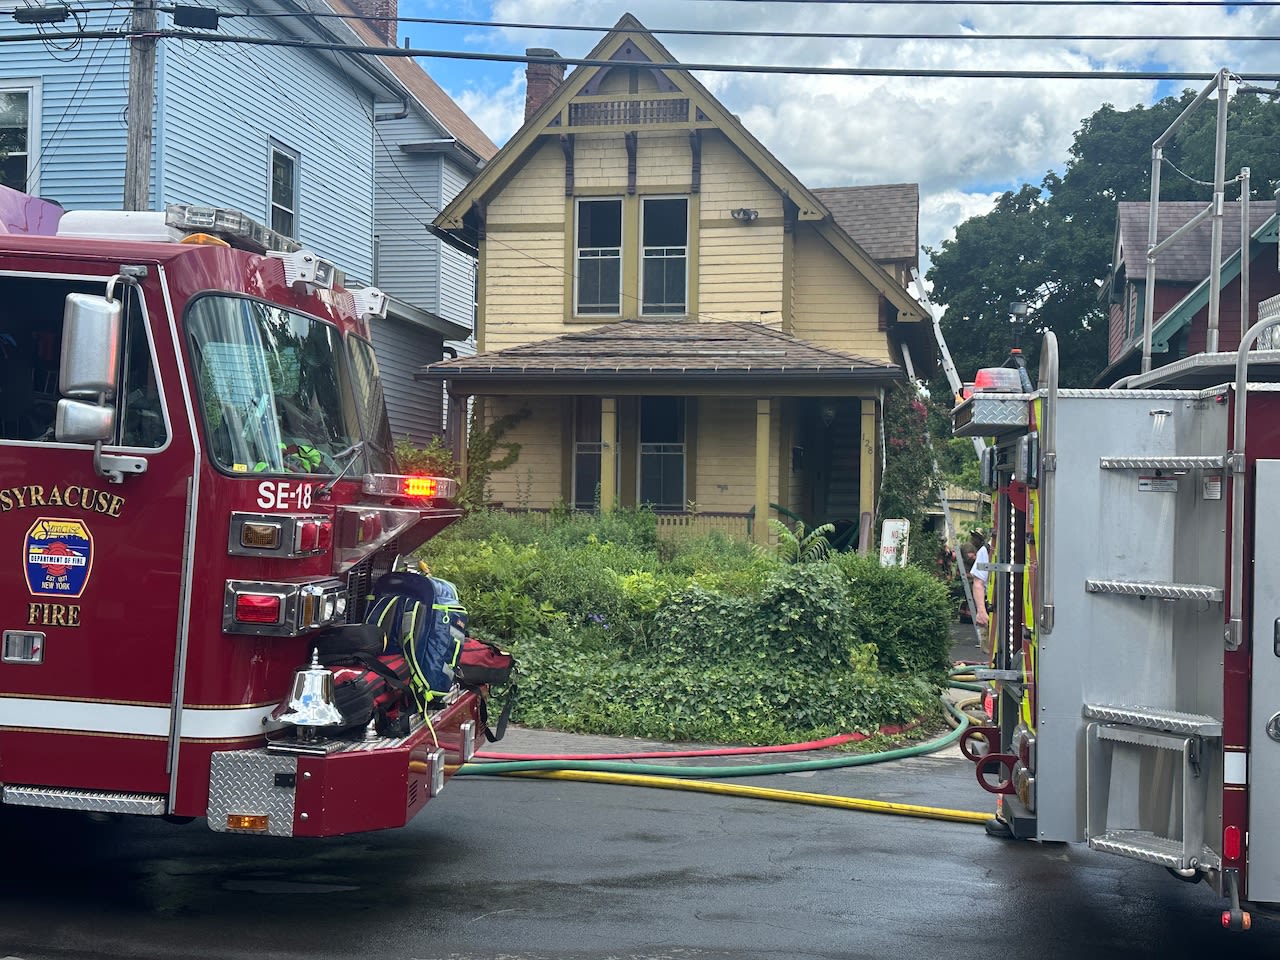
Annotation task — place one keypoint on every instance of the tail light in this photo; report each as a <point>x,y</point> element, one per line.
<point>1231,846</point>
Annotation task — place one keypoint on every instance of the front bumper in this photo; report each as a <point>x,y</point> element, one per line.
<point>343,785</point>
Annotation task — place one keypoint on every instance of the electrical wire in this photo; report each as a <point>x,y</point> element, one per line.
<point>763,34</point>
<point>770,69</point>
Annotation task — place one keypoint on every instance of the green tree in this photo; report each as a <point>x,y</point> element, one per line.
<point>1050,245</point>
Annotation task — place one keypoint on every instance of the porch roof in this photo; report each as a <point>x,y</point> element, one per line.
<point>665,349</point>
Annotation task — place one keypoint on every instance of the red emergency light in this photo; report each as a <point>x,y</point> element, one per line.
<point>415,487</point>
<point>314,535</point>
<point>257,608</point>
<point>997,380</point>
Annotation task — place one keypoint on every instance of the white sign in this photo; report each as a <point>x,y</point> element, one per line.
<point>894,535</point>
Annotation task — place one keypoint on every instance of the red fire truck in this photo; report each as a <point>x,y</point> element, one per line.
<point>196,477</point>
<point>1136,572</point>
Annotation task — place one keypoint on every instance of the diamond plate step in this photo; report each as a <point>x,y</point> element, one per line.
<point>1156,588</point>
<point>1162,463</point>
<point>1155,718</point>
<point>93,801</point>
<point>1146,846</point>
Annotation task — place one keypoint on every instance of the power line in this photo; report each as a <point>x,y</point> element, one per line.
<point>903,72</point>
<point>764,34</point>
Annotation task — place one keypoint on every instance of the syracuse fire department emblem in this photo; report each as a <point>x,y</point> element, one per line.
<point>59,557</point>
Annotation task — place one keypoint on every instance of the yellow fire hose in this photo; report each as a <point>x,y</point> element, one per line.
<point>761,793</point>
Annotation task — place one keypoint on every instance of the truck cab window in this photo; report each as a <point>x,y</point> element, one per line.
<point>274,389</point>
<point>30,352</point>
<point>142,422</point>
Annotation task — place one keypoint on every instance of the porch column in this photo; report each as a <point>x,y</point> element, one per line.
<point>608,454</point>
<point>455,430</point>
<point>760,529</point>
<point>867,461</point>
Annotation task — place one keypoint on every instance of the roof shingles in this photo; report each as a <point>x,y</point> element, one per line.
<point>883,219</point>
<point>667,347</point>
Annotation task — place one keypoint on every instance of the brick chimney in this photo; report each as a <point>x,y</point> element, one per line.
<point>541,80</point>
<point>380,16</point>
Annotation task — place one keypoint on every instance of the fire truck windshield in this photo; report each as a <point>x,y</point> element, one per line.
<point>274,388</point>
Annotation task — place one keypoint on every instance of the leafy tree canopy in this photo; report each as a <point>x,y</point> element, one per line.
<point>1050,245</point>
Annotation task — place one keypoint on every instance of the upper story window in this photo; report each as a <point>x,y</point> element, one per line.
<point>284,191</point>
<point>665,256</point>
<point>598,257</point>
<point>18,108</point>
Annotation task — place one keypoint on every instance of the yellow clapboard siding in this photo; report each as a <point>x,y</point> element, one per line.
<point>832,304</point>
<point>726,454</point>
<point>533,481</point>
<point>536,196</point>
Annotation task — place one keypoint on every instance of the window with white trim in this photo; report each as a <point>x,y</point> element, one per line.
<point>598,257</point>
<point>284,191</point>
<point>18,110</point>
<point>664,268</point>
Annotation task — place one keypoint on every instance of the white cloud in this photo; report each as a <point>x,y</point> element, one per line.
<point>498,112</point>
<point>963,140</point>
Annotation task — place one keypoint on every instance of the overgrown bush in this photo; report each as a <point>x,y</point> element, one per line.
<point>904,611</point>
<point>699,640</point>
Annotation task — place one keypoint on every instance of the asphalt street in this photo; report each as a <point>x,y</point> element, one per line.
<point>518,869</point>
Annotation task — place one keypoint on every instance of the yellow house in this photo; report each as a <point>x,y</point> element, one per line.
<point>683,323</point>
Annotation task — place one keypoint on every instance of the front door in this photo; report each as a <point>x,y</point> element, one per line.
<point>90,596</point>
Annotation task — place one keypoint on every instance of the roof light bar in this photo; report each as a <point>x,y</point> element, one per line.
<point>233,226</point>
<point>423,488</point>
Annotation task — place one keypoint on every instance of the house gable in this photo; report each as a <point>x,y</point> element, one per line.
<point>680,120</point>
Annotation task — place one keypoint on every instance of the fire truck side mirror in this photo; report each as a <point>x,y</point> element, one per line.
<point>91,328</point>
<point>81,422</point>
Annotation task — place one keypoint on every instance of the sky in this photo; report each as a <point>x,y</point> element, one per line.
<point>964,141</point>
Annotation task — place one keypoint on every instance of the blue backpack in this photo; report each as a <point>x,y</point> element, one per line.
<point>422,618</point>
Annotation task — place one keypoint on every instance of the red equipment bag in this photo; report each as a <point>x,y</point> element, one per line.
<point>370,688</point>
<point>480,665</point>
<point>483,663</point>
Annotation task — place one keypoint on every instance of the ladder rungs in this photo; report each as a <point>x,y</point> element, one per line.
<point>1163,463</point>
<point>1155,718</point>
<point>1156,588</point>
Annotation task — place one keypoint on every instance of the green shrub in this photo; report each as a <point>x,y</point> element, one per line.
<point>904,611</point>
<point>721,641</point>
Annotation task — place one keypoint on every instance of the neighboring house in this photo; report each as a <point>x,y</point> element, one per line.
<point>295,138</point>
<point>687,325</point>
<point>1182,283</point>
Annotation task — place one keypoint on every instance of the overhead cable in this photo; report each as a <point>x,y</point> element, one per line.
<point>904,72</point>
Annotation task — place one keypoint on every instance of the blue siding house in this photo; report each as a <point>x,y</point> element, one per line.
<point>352,155</point>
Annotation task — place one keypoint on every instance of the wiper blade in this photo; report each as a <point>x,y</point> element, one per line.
<point>350,455</point>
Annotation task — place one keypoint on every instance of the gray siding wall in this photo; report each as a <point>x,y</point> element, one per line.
<point>79,160</point>
<point>224,104</point>
<point>457,270</point>
<point>407,198</point>
<point>414,407</point>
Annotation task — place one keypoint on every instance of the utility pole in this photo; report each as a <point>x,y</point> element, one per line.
<point>142,85</point>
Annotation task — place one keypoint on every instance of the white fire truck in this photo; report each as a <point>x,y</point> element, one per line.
<point>196,477</point>
<point>1136,572</point>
